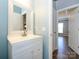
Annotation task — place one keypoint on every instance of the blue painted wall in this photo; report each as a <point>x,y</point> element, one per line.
<point>65,3</point>
<point>3,29</point>
<point>17,9</point>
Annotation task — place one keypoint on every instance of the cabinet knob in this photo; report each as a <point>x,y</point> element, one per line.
<point>38,49</point>
<point>78,46</point>
<point>54,32</point>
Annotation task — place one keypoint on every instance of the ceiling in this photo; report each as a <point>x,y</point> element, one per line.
<point>60,4</point>
<point>26,3</point>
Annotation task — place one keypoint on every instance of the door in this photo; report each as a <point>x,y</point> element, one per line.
<point>55,35</point>
<point>60,28</point>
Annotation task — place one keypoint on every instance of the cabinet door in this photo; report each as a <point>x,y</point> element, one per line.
<point>37,54</point>
<point>27,54</point>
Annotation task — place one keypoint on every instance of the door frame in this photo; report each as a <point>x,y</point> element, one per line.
<point>52,27</point>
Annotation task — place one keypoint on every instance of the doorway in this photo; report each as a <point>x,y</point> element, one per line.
<point>67,39</point>
<point>60,28</point>
<point>63,51</point>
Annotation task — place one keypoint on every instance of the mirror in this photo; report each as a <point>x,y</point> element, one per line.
<point>19,17</point>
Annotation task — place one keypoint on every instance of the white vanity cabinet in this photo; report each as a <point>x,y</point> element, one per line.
<point>26,49</point>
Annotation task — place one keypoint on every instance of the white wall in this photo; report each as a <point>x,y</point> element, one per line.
<point>17,22</point>
<point>74,32</point>
<point>10,15</point>
<point>41,16</point>
<point>43,24</point>
<point>29,21</point>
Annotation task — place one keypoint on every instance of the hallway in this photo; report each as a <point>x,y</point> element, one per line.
<point>64,52</point>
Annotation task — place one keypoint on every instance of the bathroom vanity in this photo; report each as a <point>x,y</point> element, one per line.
<point>27,47</point>
<point>22,45</point>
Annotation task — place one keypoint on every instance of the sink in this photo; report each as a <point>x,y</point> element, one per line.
<point>17,37</point>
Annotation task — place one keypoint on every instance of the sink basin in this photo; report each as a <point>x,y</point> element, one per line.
<point>17,37</point>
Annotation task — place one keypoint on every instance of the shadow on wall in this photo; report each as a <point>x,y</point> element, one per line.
<point>3,29</point>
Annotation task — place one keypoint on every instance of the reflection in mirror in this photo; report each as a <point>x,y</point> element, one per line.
<point>19,15</point>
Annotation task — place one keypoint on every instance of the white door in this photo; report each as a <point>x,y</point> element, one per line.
<point>54,27</point>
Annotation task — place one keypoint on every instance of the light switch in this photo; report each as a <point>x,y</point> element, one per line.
<point>43,29</point>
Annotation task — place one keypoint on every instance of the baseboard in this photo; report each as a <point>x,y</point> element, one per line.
<point>72,49</point>
<point>55,49</point>
<point>63,34</point>
<point>55,52</point>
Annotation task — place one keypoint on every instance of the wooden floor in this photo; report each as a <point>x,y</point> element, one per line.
<point>63,51</point>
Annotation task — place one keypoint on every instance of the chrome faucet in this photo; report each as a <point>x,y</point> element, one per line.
<point>25,30</point>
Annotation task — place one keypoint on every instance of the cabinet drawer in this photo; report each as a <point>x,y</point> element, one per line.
<point>25,44</point>
<point>22,48</point>
<point>33,47</point>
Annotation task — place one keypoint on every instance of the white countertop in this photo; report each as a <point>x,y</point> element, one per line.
<point>18,38</point>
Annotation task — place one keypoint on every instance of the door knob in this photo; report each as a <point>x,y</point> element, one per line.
<point>54,32</point>
<point>78,46</point>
